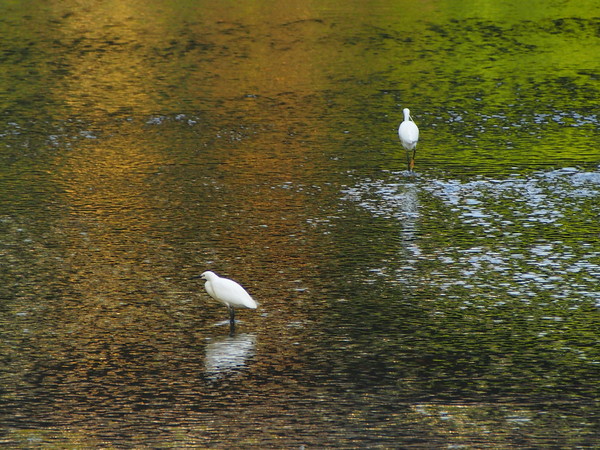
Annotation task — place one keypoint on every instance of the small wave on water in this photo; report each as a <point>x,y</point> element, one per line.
<point>522,237</point>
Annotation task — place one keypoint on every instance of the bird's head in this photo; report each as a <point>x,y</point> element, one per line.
<point>208,275</point>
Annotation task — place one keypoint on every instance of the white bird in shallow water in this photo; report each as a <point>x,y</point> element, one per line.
<point>229,293</point>
<point>409,136</point>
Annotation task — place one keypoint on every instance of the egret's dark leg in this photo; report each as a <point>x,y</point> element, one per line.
<point>411,163</point>
<point>231,320</point>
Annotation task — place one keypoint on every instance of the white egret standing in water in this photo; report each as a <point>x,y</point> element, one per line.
<point>229,293</point>
<point>409,136</point>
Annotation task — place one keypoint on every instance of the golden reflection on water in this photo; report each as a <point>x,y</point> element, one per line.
<point>113,210</point>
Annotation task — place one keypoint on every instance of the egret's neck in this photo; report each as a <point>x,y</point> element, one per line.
<point>406,114</point>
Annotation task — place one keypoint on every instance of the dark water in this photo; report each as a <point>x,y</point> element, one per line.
<point>142,143</point>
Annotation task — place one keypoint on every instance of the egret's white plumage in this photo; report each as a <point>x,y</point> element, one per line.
<point>409,136</point>
<point>229,293</point>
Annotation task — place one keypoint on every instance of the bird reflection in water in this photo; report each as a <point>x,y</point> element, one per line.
<point>228,354</point>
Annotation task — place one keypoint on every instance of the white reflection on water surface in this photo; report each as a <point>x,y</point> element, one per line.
<point>515,238</point>
<point>228,354</point>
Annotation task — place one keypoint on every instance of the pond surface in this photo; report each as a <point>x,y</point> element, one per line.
<point>142,143</point>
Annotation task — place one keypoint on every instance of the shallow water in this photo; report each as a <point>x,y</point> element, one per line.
<point>142,144</point>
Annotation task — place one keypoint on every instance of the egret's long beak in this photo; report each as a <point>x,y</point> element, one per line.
<point>195,277</point>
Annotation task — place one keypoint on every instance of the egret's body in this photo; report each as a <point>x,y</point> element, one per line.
<point>409,136</point>
<point>229,293</point>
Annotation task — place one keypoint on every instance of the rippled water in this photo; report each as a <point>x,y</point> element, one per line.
<point>495,221</point>
<point>143,143</point>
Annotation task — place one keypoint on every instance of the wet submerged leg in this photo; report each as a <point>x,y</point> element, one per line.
<point>410,156</point>
<point>231,321</point>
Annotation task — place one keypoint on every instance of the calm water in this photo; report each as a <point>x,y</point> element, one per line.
<point>142,143</point>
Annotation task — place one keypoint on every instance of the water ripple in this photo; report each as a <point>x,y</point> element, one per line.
<point>532,237</point>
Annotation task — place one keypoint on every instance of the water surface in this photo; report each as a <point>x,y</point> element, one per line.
<point>142,144</point>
